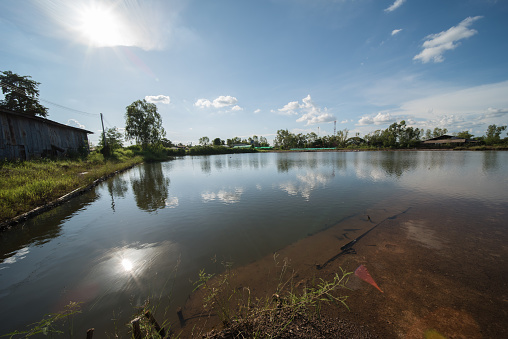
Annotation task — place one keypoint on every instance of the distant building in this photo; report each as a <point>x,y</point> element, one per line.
<point>24,137</point>
<point>447,140</point>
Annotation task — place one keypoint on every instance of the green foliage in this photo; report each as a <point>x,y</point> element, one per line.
<point>464,135</point>
<point>493,135</point>
<point>204,141</point>
<point>210,150</point>
<point>143,123</point>
<point>436,133</point>
<point>50,324</point>
<point>166,142</point>
<point>114,139</point>
<point>21,94</point>
<point>25,185</point>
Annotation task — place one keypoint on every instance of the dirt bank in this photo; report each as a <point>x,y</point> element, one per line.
<point>442,270</point>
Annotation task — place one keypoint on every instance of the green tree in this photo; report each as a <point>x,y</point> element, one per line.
<point>493,135</point>
<point>143,123</point>
<point>204,141</point>
<point>464,135</point>
<point>166,142</point>
<point>375,138</point>
<point>21,94</point>
<point>284,139</point>
<point>342,137</point>
<point>113,139</point>
<point>263,142</point>
<point>218,142</point>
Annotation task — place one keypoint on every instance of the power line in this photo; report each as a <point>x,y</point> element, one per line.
<point>22,92</point>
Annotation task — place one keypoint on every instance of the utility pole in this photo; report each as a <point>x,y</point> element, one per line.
<point>103,133</point>
<point>335,127</point>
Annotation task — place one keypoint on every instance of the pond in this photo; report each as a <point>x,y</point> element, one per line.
<point>147,232</point>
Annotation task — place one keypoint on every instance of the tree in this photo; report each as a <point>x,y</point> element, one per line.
<point>143,123</point>
<point>263,142</point>
<point>464,135</point>
<point>21,94</point>
<point>493,135</point>
<point>204,141</point>
<point>113,139</point>
<point>342,137</point>
<point>166,142</point>
<point>218,142</point>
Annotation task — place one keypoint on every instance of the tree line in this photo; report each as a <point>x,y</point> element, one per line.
<point>143,125</point>
<point>397,135</point>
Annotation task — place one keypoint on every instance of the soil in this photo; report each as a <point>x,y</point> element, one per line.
<point>442,271</point>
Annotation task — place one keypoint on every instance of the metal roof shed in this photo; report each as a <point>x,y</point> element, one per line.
<point>24,136</point>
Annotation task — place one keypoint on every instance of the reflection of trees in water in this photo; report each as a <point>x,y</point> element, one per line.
<point>42,228</point>
<point>152,188</point>
<point>490,161</point>
<point>396,163</point>
<point>286,162</point>
<point>206,166</point>
<point>116,187</point>
<point>219,163</point>
<point>235,161</point>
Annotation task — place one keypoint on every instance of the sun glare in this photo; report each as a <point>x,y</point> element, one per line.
<point>127,265</point>
<point>100,26</point>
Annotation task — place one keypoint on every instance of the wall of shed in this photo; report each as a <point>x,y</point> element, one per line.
<point>25,138</point>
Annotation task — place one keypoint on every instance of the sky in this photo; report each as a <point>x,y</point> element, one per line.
<point>230,68</point>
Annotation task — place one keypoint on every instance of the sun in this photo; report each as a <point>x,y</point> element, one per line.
<point>100,26</point>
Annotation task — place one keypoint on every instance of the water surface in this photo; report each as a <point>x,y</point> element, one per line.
<point>148,231</point>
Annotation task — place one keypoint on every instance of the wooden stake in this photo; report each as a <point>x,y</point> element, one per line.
<point>180,316</point>
<point>136,331</point>
<point>154,323</point>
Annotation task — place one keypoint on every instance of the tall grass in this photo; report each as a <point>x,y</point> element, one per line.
<point>28,184</point>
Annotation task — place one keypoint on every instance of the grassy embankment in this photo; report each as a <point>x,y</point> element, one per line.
<point>25,185</point>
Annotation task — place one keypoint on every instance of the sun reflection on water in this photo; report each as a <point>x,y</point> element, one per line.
<point>127,265</point>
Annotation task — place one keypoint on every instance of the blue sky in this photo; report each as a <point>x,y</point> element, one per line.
<point>222,69</point>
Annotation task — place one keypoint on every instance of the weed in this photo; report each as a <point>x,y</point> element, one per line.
<point>269,316</point>
<point>50,323</point>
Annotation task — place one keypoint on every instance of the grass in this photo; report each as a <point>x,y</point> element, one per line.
<point>25,185</point>
<point>242,315</point>
<point>51,324</point>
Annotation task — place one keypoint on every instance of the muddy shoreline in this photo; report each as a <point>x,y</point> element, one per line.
<point>442,273</point>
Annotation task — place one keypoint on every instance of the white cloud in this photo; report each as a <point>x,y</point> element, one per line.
<point>231,196</point>
<point>395,5</point>
<point>224,101</point>
<point>203,103</point>
<point>454,109</point>
<point>495,112</point>
<point>379,119</point>
<point>75,123</point>
<point>257,111</point>
<point>396,31</point>
<point>310,113</point>
<point>290,108</point>
<point>220,102</point>
<point>158,99</point>
<point>472,100</point>
<point>236,108</point>
<point>436,44</point>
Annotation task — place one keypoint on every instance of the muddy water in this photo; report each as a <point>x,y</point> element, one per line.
<point>148,232</point>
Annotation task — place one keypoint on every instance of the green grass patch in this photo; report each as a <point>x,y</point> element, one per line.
<point>28,184</point>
